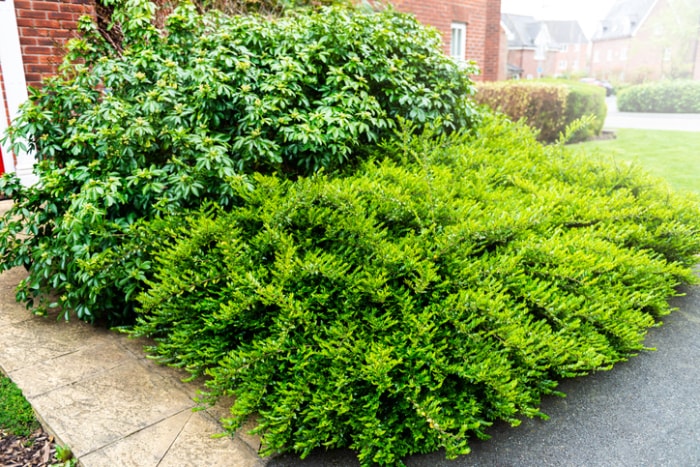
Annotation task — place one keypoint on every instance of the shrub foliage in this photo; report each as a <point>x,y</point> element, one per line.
<point>406,307</point>
<point>682,96</point>
<point>179,114</point>
<point>547,107</point>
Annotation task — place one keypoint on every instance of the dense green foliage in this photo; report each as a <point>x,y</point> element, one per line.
<point>583,100</point>
<point>265,7</point>
<point>307,210</point>
<point>180,114</point>
<point>548,107</point>
<point>682,96</point>
<point>408,306</point>
<point>16,415</point>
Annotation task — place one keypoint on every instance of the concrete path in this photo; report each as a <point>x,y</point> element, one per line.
<point>649,121</point>
<point>98,394</point>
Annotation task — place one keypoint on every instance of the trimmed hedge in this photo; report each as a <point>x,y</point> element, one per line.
<point>662,97</point>
<point>547,107</point>
<point>407,307</point>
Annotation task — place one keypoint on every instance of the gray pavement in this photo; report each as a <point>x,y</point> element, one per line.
<point>649,121</point>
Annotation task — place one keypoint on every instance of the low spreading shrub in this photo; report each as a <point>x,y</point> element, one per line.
<point>664,97</point>
<point>548,107</point>
<point>177,116</point>
<point>408,306</point>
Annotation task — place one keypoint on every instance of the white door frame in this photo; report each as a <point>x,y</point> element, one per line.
<point>15,90</point>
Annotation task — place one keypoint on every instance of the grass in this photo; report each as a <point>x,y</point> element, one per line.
<point>16,415</point>
<point>671,155</point>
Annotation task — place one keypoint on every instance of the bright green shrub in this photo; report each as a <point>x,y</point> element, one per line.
<point>175,118</point>
<point>547,107</point>
<point>408,306</point>
<point>664,97</point>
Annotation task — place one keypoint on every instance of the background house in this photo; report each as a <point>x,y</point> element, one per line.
<point>643,40</point>
<point>470,29</point>
<point>544,48</point>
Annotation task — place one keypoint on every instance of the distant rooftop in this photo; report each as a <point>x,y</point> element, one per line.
<point>523,30</point>
<point>623,19</point>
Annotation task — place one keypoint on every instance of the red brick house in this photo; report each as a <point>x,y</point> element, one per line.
<point>33,33</point>
<point>471,29</point>
<point>642,40</point>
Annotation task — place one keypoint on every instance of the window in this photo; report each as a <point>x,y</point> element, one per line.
<point>574,65</point>
<point>667,54</point>
<point>562,64</point>
<point>610,55</point>
<point>458,41</point>
<point>541,52</point>
<point>623,53</point>
<point>596,56</point>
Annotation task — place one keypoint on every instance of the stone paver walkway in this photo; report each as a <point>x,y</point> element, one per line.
<point>98,394</point>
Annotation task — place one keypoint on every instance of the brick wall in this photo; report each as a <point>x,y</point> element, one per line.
<point>483,20</point>
<point>44,27</point>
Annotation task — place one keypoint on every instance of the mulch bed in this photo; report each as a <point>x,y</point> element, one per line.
<point>35,450</point>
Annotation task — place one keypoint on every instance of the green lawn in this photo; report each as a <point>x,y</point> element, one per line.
<point>16,415</point>
<point>672,155</point>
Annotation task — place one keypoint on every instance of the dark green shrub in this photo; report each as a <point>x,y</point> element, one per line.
<point>265,7</point>
<point>663,97</point>
<point>406,307</point>
<point>548,107</point>
<point>176,117</point>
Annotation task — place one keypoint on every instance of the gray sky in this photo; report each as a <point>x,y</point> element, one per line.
<point>588,12</point>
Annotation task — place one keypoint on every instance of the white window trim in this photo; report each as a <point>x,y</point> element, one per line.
<point>15,89</point>
<point>458,41</point>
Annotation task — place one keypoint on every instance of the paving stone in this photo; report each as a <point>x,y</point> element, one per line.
<point>52,374</point>
<point>95,412</point>
<point>27,343</point>
<point>191,448</point>
<point>144,448</point>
